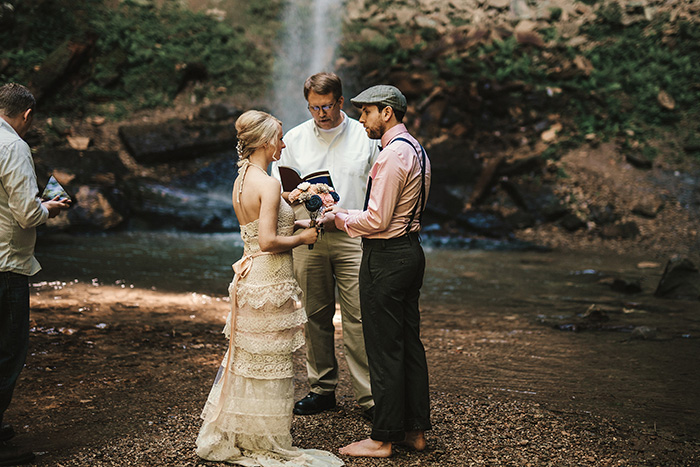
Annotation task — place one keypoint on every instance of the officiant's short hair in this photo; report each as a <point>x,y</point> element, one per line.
<point>323,83</point>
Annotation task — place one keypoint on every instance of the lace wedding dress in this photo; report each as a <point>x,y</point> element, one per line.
<point>248,415</point>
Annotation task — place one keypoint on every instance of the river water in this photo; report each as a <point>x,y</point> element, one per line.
<point>507,313</point>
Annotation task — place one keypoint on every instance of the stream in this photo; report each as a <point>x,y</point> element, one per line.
<point>522,322</point>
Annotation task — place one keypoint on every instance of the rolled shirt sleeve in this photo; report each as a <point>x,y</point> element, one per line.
<point>388,175</point>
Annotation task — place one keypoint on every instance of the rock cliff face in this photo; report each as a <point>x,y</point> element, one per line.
<point>500,166</point>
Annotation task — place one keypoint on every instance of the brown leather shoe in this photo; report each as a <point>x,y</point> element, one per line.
<point>12,455</point>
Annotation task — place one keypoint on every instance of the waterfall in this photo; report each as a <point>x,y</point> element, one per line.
<point>307,46</point>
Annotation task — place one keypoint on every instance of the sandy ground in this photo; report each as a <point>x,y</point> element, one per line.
<point>117,376</point>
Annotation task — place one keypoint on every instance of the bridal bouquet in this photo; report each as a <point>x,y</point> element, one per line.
<point>316,197</point>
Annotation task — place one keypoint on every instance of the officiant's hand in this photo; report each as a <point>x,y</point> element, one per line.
<point>302,224</point>
<point>56,205</point>
<point>328,222</point>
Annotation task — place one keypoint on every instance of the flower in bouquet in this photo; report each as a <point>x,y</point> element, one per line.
<point>316,197</point>
<point>304,191</point>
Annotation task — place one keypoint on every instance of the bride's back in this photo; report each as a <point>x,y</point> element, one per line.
<point>247,199</point>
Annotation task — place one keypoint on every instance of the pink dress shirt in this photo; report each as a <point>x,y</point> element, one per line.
<point>396,186</point>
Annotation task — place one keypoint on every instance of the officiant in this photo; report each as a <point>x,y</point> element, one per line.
<point>332,141</point>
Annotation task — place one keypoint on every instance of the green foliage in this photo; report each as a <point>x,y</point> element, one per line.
<point>555,13</point>
<point>506,61</point>
<point>143,55</point>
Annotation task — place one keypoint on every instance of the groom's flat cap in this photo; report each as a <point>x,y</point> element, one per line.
<point>381,94</point>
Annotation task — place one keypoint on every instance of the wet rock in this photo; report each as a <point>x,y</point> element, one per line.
<point>647,209</point>
<point>94,180</point>
<point>521,220</point>
<point>219,111</point>
<point>60,125</point>
<point>620,230</point>
<point>627,286</point>
<point>484,222</point>
<point>572,222</point>
<point>604,215</point>
<point>644,332</point>
<point>638,161</point>
<point>554,210</point>
<point>595,314</point>
<point>454,161</point>
<point>176,140</point>
<point>680,280</point>
<point>198,202</point>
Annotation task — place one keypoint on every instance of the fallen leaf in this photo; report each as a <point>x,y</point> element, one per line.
<point>666,100</point>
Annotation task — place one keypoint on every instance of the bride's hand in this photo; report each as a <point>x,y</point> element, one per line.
<point>309,236</point>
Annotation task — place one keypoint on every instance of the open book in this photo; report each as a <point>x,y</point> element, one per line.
<point>291,177</point>
<point>53,189</point>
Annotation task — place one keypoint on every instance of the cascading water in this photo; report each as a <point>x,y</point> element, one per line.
<point>307,46</point>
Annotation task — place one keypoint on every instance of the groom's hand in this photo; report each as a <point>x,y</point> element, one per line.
<point>328,222</point>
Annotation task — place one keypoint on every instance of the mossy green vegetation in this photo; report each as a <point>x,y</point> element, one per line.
<point>140,55</point>
<point>638,79</point>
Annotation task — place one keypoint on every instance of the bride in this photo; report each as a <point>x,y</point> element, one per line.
<point>248,415</point>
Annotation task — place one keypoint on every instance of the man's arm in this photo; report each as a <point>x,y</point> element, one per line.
<point>19,181</point>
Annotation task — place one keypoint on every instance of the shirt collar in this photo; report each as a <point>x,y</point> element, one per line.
<point>6,124</point>
<point>392,133</point>
<point>342,125</point>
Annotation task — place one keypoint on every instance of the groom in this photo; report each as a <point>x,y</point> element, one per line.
<point>391,274</point>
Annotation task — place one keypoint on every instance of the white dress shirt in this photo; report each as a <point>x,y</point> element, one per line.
<point>348,157</point>
<point>20,206</point>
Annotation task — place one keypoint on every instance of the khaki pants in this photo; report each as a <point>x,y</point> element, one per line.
<point>334,261</point>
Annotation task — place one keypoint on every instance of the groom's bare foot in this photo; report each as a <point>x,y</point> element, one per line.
<point>367,448</point>
<point>414,440</point>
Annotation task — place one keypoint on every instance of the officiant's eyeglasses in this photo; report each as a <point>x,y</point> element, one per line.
<point>325,108</point>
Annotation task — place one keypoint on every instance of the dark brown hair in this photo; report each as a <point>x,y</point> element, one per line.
<point>15,99</point>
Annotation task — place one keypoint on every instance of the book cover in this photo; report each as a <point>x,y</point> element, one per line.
<point>291,177</point>
<point>53,189</point>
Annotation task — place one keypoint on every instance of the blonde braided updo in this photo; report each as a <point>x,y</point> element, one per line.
<point>254,129</point>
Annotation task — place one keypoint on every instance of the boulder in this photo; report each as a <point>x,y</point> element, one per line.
<point>176,140</point>
<point>199,201</point>
<point>219,111</point>
<point>680,280</point>
<point>94,181</point>
<point>454,161</point>
<point>628,229</point>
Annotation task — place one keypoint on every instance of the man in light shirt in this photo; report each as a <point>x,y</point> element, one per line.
<point>391,276</point>
<point>21,210</point>
<point>331,141</point>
